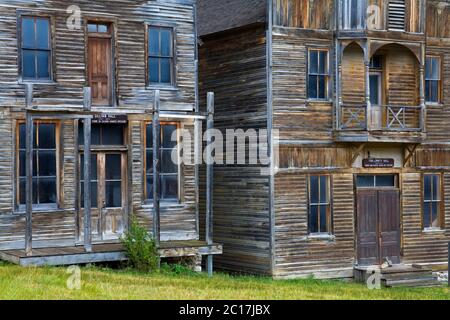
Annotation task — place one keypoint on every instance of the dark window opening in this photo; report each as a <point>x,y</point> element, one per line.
<point>160,55</point>
<point>432,201</point>
<point>318,74</point>
<point>103,135</point>
<point>319,205</point>
<point>432,79</point>
<point>377,181</point>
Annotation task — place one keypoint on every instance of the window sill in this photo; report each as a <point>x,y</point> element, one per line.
<point>434,104</point>
<point>321,237</point>
<point>37,82</point>
<point>21,211</point>
<point>165,205</point>
<point>162,87</point>
<point>433,230</point>
<point>318,101</point>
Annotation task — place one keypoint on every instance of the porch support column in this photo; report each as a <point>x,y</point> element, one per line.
<point>87,172</point>
<point>367,86</point>
<point>29,171</point>
<point>209,180</point>
<point>338,98</point>
<point>156,127</point>
<point>423,111</point>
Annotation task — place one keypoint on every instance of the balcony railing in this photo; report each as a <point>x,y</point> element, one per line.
<point>385,118</point>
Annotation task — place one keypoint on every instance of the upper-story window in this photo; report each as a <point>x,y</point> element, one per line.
<point>396,15</point>
<point>432,79</point>
<point>318,74</point>
<point>36,48</point>
<point>160,55</point>
<point>353,14</point>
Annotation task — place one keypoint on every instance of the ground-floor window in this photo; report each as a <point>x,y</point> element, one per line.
<point>319,204</point>
<point>432,201</point>
<point>169,190</point>
<point>45,163</point>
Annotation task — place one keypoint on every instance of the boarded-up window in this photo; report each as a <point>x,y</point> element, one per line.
<point>160,55</point>
<point>318,74</point>
<point>169,168</point>
<point>432,201</point>
<point>35,48</point>
<point>319,220</point>
<point>44,164</point>
<point>396,14</point>
<point>433,79</point>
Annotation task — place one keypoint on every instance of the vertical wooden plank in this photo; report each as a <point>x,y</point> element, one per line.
<point>367,85</point>
<point>197,162</point>
<point>87,98</point>
<point>209,179</point>
<point>29,184</point>
<point>87,185</point>
<point>156,126</point>
<point>77,181</point>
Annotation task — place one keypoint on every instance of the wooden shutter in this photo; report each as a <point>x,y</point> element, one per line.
<point>397,13</point>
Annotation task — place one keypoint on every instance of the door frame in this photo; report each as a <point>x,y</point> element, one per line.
<point>376,172</point>
<point>114,59</point>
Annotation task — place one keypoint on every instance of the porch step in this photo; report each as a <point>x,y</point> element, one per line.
<point>400,276</point>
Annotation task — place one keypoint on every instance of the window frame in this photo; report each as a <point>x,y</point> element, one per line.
<point>441,202</point>
<point>174,65</point>
<point>327,75</point>
<point>35,14</point>
<point>59,191</point>
<point>440,82</point>
<point>146,199</point>
<point>329,204</point>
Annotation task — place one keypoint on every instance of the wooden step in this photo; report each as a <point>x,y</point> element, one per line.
<point>419,282</point>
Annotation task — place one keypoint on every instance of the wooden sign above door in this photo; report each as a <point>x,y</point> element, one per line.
<point>378,163</point>
<point>106,118</point>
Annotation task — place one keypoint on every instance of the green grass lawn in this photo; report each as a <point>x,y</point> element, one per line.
<point>97,283</point>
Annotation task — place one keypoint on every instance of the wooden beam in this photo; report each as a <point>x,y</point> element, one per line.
<point>410,154</point>
<point>156,126</point>
<point>356,153</point>
<point>87,175</point>
<point>209,180</point>
<point>29,185</point>
<point>87,99</point>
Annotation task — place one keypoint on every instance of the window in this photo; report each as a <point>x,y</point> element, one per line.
<point>36,48</point>
<point>103,135</point>
<point>160,55</point>
<point>432,79</point>
<point>377,181</point>
<point>319,205</point>
<point>98,28</point>
<point>169,169</point>
<point>44,164</point>
<point>354,12</point>
<point>432,201</point>
<point>318,73</point>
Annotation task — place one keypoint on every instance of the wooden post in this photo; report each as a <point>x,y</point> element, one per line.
<point>156,126</point>
<point>197,161</point>
<point>367,86</point>
<point>29,185</point>
<point>209,180</point>
<point>87,185</point>
<point>422,95</point>
<point>87,99</point>
<point>448,264</point>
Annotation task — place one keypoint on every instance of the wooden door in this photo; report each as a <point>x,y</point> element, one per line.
<point>378,226</point>
<point>100,69</point>
<point>367,227</point>
<point>389,224</point>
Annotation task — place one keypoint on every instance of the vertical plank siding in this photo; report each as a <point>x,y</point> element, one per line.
<point>129,20</point>
<point>233,66</point>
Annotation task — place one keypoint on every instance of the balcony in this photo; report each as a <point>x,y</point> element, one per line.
<point>390,123</point>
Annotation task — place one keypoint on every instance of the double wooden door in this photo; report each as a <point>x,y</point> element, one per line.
<point>378,226</point>
<point>108,195</point>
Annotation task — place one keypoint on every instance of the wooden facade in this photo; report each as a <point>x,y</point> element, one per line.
<point>344,136</point>
<point>108,47</point>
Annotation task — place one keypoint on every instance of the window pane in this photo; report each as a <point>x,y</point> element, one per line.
<point>153,41</point>
<point>92,27</point>
<point>47,163</point>
<point>165,70</point>
<point>374,90</point>
<point>385,181</point>
<point>149,188</point>
<point>314,189</point>
<point>436,191</point>
<point>94,195</point>
<point>42,34</point>
<point>22,167</point>
<point>169,186</point>
<point>149,137</point>
<point>113,167</point>
<point>113,194</point>
<point>428,68</point>
<point>435,214</point>
<point>94,174</point>
<point>166,42</point>
<point>322,87</point>
<point>323,57</point>
<point>167,165</point>
<point>43,64</point>
<point>112,135</point>
<point>323,189</point>
<point>47,136</point>
<point>434,91</point>
<point>149,161</point>
<point>427,215</point>
<point>47,190</point>
<point>365,181</point>
<point>103,28</point>
<point>427,187</point>
<point>168,131</point>
<point>313,61</point>
<point>435,70</point>
<point>22,136</point>
<point>28,34</point>
<point>312,87</point>
<point>323,218</point>
<point>22,191</point>
<point>29,64</point>
<point>153,69</point>
<point>313,219</point>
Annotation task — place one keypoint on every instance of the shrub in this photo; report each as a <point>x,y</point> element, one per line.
<point>140,247</point>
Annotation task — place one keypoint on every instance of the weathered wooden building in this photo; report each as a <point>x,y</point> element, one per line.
<point>98,69</point>
<point>359,94</point>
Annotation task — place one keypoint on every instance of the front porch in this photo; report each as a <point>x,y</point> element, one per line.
<point>72,255</point>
